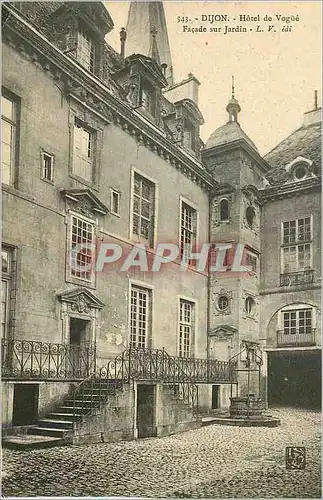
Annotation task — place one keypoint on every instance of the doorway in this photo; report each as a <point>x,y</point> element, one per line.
<point>294,379</point>
<point>215,397</point>
<point>25,404</point>
<point>146,411</point>
<point>79,352</point>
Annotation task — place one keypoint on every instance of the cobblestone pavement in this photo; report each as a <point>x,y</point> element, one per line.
<point>214,461</point>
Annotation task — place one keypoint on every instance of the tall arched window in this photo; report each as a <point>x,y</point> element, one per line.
<point>224,209</point>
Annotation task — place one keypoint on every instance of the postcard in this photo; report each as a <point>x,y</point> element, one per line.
<point>161,249</point>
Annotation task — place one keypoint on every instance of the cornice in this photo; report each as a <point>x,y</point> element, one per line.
<point>238,144</point>
<point>289,190</point>
<point>75,80</point>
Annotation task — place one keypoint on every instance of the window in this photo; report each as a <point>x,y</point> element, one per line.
<point>297,321</point>
<point>188,230</point>
<point>47,166</point>
<point>83,145</point>
<point>251,261</point>
<point>250,216</point>
<point>223,302</point>
<point>8,138</point>
<point>300,172</point>
<point>189,135</point>
<point>148,98</point>
<point>296,254</point>
<point>82,233</point>
<point>115,202</point>
<point>224,209</point>
<point>139,317</point>
<point>85,52</point>
<point>185,328</point>
<point>6,257</point>
<point>143,209</point>
<point>250,305</point>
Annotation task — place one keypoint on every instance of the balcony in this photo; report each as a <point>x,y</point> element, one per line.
<point>297,278</point>
<point>32,360</point>
<point>297,339</point>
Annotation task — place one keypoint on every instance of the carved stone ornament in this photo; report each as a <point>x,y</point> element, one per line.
<point>80,305</point>
<point>223,331</point>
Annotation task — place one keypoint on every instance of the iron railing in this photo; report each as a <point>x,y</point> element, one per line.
<point>297,278</point>
<point>297,339</point>
<point>150,365</point>
<point>29,359</point>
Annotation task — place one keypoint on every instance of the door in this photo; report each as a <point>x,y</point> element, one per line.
<point>25,404</point>
<point>215,397</point>
<point>78,359</point>
<point>146,411</point>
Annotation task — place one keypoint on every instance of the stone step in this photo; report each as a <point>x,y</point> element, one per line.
<point>55,424</point>
<point>65,416</point>
<point>50,431</point>
<point>82,403</point>
<point>80,410</point>
<point>31,441</point>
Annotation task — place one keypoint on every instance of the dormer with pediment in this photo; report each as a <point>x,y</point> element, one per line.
<point>300,169</point>
<point>142,80</point>
<point>184,120</point>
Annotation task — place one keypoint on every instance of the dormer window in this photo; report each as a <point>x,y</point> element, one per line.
<point>148,98</point>
<point>85,51</point>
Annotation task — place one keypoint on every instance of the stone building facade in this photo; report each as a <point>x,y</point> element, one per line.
<point>101,149</point>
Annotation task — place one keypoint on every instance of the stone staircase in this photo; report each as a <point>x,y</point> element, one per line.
<point>57,428</point>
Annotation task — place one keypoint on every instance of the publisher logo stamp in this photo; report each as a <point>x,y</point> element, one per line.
<point>295,457</point>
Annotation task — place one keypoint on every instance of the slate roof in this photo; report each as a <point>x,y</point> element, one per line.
<point>226,134</point>
<point>305,142</point>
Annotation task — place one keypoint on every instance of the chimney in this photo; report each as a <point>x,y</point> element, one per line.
<point>123,36</point>
<point>315,115</point>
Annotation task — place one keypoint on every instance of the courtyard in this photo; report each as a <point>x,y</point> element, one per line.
<point>211,462</point>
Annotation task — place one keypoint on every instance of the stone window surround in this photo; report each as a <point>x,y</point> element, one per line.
<point>44,152</point>
<point>216,296</point>
<point>193,206</point>
<point>194,303</point>
<point>94,125</point>
<point>254,313</point>
<point>68,221</point>
<point>296,307</point>
<point>295,244</point>
<point>133,237</point>
<point>133,283</point>
<point>16,100</point>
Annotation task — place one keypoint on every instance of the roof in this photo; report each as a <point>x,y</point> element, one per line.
<point>229,132</point>
<point>305,142</point>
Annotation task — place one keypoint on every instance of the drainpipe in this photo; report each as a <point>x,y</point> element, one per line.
<point>208,317</point>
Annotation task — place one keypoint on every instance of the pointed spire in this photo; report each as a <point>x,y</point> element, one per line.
<point>123,36</point>
<point>233,107</point>
<point>143,15</point>
<point>153,51</point>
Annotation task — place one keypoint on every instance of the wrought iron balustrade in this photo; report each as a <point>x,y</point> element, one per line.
<point>297,278</point>
<point>298,339</point>
<point>29,359</point>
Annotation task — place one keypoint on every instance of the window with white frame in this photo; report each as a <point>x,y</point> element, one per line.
<point>186,327</point>
<point>296,245</point>
<point>297,321</point>
<point>143,209</point>
<point>6,275</point>
<point>81,251</point>
<point>139,317</point>
<point>188,230</point>
<point>47,166</point>
<point>83,152</point>
<point>8,137</point>
<point>115,202</point>
<point>85,51</point>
